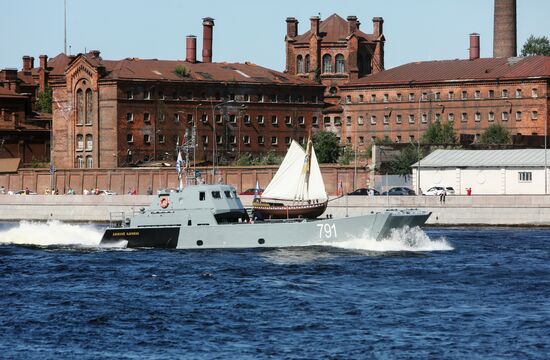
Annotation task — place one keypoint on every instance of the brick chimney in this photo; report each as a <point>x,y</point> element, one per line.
<point>207,29</point>
<point>191,49</point>
<point>377,26</point>
<point>315,20</point>
<point>95,54</point>
<point>505,29</point>
<point>27,63</point>
<point>291,27</point>
<point>474,46</point>
<point>43,72</point>
<point>352,24</point>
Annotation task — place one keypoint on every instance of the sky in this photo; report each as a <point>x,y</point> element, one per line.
<point>415,30</point>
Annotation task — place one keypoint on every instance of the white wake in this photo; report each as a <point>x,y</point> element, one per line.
<point>52,233</point>
<point>403,239</point>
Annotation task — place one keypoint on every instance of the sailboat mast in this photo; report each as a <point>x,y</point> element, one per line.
<point>307,164</point>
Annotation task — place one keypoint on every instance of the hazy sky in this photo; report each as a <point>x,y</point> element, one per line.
<point>253,31</point>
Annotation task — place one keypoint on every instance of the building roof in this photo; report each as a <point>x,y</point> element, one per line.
<point>484,158</point>
<point>460,70</point>
<point>335,29</point>
<point>5,92</point>
<point>154,69</point>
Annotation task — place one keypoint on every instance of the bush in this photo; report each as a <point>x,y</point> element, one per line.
<point>181,71</point>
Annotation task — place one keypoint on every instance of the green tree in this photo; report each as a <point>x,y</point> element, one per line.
<point>346,156</point>
<point>401,165</point>
<point>44,101</point>
<point>495,134</point>
<point>536,46</point>
<point>440,134</point>
<point>327,146</point>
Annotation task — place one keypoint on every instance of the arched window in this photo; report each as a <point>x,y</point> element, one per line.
<point>89,107</point>
<point>89,162</point>
<point>80,107</point>
<point>327,63</point>
<point>300,64</point>
<point>79,162</point>
<point>340,68</point>
<point>79,142</point>
<point>306,65</point>
<point>89,142</point>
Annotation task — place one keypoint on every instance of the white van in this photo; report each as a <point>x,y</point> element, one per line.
<point>439,189</point>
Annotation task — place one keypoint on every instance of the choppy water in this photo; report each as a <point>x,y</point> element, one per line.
<point>445,293</point>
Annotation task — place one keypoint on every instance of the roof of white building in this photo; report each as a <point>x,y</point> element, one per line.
<point>485,158</point>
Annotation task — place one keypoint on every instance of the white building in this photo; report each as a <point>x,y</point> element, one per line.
<point>484,171</point>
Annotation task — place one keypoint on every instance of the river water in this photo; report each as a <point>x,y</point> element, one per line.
<point>438,293</point>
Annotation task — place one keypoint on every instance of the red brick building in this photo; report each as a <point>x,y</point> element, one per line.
<point>120,113</point>
<point>400,103</point>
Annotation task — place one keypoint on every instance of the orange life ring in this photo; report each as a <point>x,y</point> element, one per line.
<point>164,202</point>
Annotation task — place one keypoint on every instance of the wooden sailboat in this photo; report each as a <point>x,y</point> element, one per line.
<point>297,189</point>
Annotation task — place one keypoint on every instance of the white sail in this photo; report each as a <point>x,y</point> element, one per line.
<point>296,178</point>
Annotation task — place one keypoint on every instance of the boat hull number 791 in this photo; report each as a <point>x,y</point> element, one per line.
<point>327,231</point>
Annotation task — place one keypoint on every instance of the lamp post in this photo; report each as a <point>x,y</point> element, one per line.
<point>214,134</point>
<point>193,134</point>
<point>243,108</point>
<point>422,97</point>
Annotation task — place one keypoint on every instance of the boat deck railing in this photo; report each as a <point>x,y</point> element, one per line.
<point>117,219</point>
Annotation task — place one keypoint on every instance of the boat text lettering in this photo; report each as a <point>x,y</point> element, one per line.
<point>327,231</point>
<point>126,233</point>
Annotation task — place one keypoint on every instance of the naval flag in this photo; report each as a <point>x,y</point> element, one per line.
<point>179,163</point>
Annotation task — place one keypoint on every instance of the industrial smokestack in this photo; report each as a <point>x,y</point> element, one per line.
<point>207,27</point>
<point>191,49</point>
<point>474,46</point>
<point>505,29</point>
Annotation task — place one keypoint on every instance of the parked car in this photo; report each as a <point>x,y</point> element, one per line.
<point>106,192</point>
<point>251,191</point>
<point>364,191</point>
<point>22,192</point>
<point>438,190</point>
<point>399,190</point>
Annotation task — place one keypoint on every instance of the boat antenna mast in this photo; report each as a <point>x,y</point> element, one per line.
<point>188,145</point>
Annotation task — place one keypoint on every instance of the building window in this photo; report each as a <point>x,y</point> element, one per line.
<point>398,97</point>
<point>411,138</point>
<point>129,94</point>
<point>450,117</point>
<point>361,140</point>
<point>314,120</point>
<point>79,142</point>
<point>424,118</point>
<point>464,95</point>
<point>246,140</point>
<point>147,95</point>
<point>348,120</point>
<point>518,115</point>
<point>361,98</point>
<point>451,95</point>
<point>424,96</point>
<point>411,118</point>
<point>398,119</point>
<point>437,117</point>
<point>504,93</point>
<point>147,138</point>
<point>261,119</point>
<point>218,119</point>
<point>348,140</point>
<point>518,93</point>
<point>326,121</point>
<point>273,140</point>
<point>491,94</point>
<point>80,107</point>
<point>287,140</point>
<point>162,139</point>
<point>477,116</point>
<point>129,138</point>
<point>306,64</point>
<point>504,116</point>
<point>130,117</point>
<point>348,99</point>
<point>301,120</point>
<point>176,139</point>
<point>246,119</point>
<point>386,119</point>
<point>89,142</point>
<point>261,98</point>
<point>398,139</point>
<point>273,98</point>
<point>373,98</point>
<point>300,64</point>
<point>477,95</point>
<point>204,118</point>
<point>534,115</point>
<point>162,117</point>
<point>190,119</point>
<point>232,139</point>
<point>534,93</point>
<point>288,120</point>
<point>205,139</point>
<point>525,176</point>
<point>219,139</point>
<point>246,98</point>
<point>360,120</point>
<point>464,117</point>
<point>386,98</point>
<point>373,119</point>
<point>233,119</point>
<point>177,117</point>
<point>337,121</point>
<point>411,96</point>
<point>340,68</point>
<point>437,96</point>
<point>491,116</point>
<point>79,162</point>
<point>146,117</point>
<point>327,63</point>
<point>274,120</point>
<point>89,107</point>
<point>261,140</point>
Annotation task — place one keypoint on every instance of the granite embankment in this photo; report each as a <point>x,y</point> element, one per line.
<point>457,210</point>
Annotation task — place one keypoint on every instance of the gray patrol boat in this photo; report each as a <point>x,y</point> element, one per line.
<point>213,216</point>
